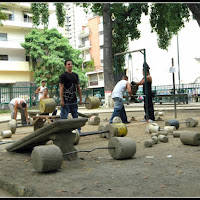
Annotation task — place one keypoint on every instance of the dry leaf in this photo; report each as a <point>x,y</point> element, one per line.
<point>145,177</point>
<point>163,186</point>
<point>96,183</point>
<point>180,172</point>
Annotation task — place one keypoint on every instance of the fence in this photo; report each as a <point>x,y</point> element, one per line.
<point>28,93</point>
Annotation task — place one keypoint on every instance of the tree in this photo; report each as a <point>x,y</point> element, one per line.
<point>167,20</point>
<point>195,9</point>
<point>50,49</point>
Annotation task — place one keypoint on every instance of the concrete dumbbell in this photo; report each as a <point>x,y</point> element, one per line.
<point>94,120</point>
<point>12,125</point>
<point>148,143</point>
<point>190,138</point>
<point>6,134</point>
<point>163,138</point>
<point>190,122</point>
<point>46,158</point>
<point>101,128</point>
<point>156,129</point>
<point>124,148</point>
<point>158,113</point>
<point>77,137</point>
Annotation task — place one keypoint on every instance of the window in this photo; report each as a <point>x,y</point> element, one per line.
<point>3,36</point>
<point>3,57</point>
<point>9,14</point>
<point>93,79</point>
<point>100,76</point>
<point>28,17</point>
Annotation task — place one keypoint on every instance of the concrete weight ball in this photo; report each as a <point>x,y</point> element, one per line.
<point>117,120</point>
<point>190,138</point>
<point>46,158</point>
<point>124,148</point>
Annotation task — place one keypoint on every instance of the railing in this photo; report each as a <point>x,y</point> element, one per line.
<point>28,93</point>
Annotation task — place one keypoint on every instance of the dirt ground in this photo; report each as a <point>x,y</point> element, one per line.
<point>164,170</point>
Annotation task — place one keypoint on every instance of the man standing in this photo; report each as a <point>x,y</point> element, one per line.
<point>19,104</point>
<point>69,84</point>
<point>117,96</point>
<point>40,90</point>
<point>149,94</point>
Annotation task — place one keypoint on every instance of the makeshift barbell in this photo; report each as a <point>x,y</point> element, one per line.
<point>109,131</point>
<point>190,122</point>
<point>46,158</point>
<point>49,105</point>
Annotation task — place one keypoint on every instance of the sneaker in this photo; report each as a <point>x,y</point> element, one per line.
<point>143,120</point>
<point>150,121</point>
<point>127,122</point>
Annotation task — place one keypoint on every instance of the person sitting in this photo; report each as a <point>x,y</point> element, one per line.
<point>46,96</point>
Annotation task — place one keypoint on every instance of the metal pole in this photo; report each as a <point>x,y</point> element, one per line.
<point>178,63</point>
<point>174,89</point>
<point>145,77</point>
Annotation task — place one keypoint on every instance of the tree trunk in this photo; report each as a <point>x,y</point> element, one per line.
<point>109,78</point>
<point>195,9</point>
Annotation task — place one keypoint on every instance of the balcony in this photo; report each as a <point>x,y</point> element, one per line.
<point>85,47</point>
<point>22,66</point>
<point>19,23</point>
<point>11,44</point>
<point>84,33</point>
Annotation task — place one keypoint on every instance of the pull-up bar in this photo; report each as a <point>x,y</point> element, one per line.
<point>143,51</point>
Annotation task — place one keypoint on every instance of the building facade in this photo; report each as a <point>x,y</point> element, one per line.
<point>15,66</point>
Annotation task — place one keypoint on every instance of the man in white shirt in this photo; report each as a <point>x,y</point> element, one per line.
<point>40,90</point>
<point>117,96</point>
<point>19,104</point>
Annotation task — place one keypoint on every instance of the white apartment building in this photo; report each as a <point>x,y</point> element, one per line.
<point>15,68</point>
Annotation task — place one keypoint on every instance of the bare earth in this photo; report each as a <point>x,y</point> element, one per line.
<point>164,170</point>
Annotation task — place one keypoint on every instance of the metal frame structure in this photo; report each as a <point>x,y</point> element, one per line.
<point>143,51</point>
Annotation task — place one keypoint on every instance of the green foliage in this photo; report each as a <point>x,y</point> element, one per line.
<point>89,66</point>
<point>127,18</point>
<point>51,49</point>
<point>2,16</point>
<point>41,14</point>
<point>167,20</point>
<point>60,13</point>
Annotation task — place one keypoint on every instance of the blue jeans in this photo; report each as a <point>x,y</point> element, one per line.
<point>66,109</point>
<point>119,110</point>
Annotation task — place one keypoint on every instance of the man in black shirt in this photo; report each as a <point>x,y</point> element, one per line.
<point>69,84</point>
